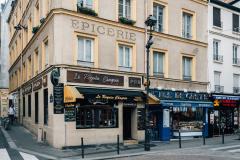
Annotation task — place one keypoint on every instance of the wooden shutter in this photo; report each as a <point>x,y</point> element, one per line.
<point>235,22</point>
<point>216,17</point>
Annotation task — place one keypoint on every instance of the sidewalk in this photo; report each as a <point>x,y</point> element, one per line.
<point>26,142</point>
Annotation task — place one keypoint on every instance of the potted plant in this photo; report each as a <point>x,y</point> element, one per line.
<point>127,21</point>
<point>87,11</point>
<point>35,29</point>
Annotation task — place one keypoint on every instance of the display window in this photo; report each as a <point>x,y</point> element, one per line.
<point>187,118</point>
<point>97,116</point>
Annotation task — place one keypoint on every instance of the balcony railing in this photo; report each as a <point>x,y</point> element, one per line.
<point>219,89</point>
<point>236,89</point>
<point>158,74</point>
<point>218,58</point>
<point>236,61</point>
<point>187,78</point>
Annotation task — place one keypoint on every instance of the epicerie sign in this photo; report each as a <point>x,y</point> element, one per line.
<point>103,30</point>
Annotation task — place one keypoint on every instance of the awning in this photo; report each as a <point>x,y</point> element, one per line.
<point>152,99</point>
<point>172,103</point>
<point>71,94</point>
<point>110,92</point>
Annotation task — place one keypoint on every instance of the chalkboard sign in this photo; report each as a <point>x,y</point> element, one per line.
<point>70,114</point>
<point>58,99</point>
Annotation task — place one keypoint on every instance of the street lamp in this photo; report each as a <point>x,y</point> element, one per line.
<point>150,22</point>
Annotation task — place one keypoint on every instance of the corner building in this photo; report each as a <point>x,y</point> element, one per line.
<point>98,49</point>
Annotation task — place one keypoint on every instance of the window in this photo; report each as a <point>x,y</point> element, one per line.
<point>217,78</point>
<point>158,14</point>
<point>96,117</point>
<point>36,107</point>
<point>24,72</point>
<point>85,3</point>
<point>29,106</point>
<point>217,17</point>
<point>29,28</point>
<point>187,68</point>
<point>158,63</point>
<point>236,79</point>
<point>85,50</point>
<point>141,118</point>
<point>187,26</point>
<point>216,47</point>
<point>235,55</point>
<point>36,62</point>
<point>46,54</point>
<point>45,103</point>
<point>29,68</point>
<point>125,56</point>
<point>124,8</point>
<point>37,15</point>
<point>235,22</point>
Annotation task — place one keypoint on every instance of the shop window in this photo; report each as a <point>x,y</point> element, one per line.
<point>36,107</point>
<point>96,117</point>
<point>29,106</point>
<point>187,118</point>
<point>45,102</point>
<point>141,119</point>
<point>24,107</point>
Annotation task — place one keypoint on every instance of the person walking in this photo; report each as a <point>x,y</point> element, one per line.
<point>11,114</point>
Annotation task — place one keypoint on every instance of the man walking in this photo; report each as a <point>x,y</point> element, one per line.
<point>11,113</point>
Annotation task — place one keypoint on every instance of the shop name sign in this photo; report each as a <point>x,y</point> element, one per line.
<point>179,95</point>
<point>222,97</point>
<point>94,78</point>
<point>37,84</point>
<point>111,97</point>
<point>27,89</point>
<point>103,30</point>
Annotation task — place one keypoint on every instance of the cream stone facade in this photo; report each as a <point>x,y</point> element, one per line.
<point>59,30</point>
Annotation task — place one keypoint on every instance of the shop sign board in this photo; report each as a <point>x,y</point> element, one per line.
<point>95,78</point>
<point>69,112</point>
<point>45,81</point>
<point>27,89</point>
<point>134,82</point>
<point>166,118</point>
<point>179,95</point>
<point>58,95</point>
<point>226,101</point>
<point>37,84</point>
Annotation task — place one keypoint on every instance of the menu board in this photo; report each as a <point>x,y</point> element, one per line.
<point>58,99</point>
<point>69,113</point>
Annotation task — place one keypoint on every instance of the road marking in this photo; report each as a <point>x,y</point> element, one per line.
<point>26,156</point>
<point>4,154</point>
<point>234,151</point>
<point>222,148</point>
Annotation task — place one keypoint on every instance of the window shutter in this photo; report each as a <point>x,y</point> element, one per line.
<point>216,17</point>
<point>235,19</point>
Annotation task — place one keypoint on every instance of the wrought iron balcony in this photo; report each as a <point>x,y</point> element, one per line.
<point>158,74</point>
<point>236,61</point>
<point>236,89</point>
<point>218,58</point>
<point>187,78</point>
<point>219,89</point>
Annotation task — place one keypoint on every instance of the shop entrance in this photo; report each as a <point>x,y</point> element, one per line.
<point>127,123</point>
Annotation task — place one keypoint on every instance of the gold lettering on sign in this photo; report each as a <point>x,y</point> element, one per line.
<point>103,30</point>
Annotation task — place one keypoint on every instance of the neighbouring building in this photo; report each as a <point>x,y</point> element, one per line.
<point>224,64</point>
<point>98,50</point>
<point>4,59</point>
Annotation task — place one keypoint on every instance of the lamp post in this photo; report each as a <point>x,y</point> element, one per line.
<point>150,22</point>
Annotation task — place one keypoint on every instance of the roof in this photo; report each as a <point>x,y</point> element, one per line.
<point>226,5</point>
<point>233,2</point>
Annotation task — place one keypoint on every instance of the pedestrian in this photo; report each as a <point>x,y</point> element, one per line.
<point>11,113</point>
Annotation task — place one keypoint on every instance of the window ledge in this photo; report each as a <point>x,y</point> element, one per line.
<point>124,68</point>
<point>219,62</point>
<point>218,28</point>
<point>236,65</point>
<point>85,63</point>
<point>234,32</point>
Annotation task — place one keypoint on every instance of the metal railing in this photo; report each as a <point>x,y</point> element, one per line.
<point>219,89</point>
<point>236,89</point>
<point>218,58</point>
<point>187,78</point>
<point>236,61</point>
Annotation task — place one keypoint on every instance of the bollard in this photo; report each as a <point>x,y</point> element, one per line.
<point>82,147</point>
<point>179,136</point>
<point>118,149</point>
<point>203,134</point>
<point>223,136</point>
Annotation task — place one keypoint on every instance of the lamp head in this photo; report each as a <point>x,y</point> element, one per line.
<point>151,21</point>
